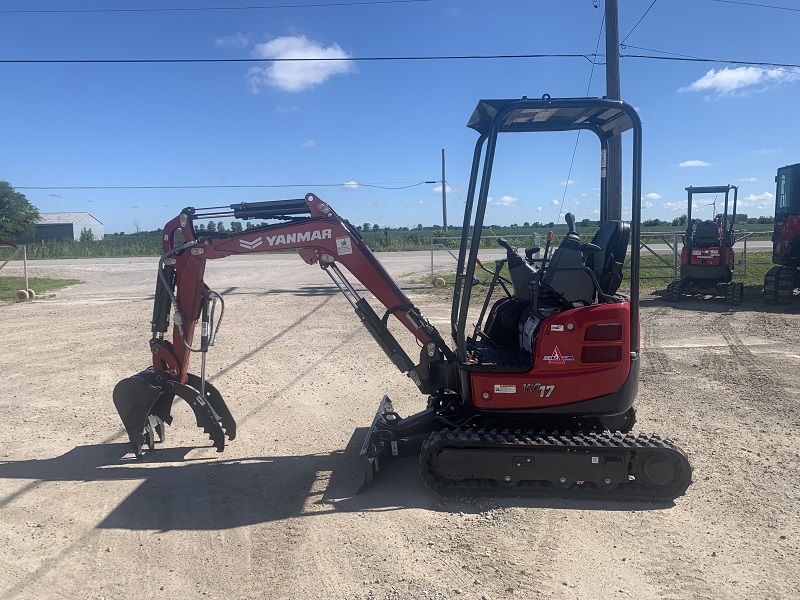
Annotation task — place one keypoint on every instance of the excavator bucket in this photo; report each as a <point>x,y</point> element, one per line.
<point>144,403</point>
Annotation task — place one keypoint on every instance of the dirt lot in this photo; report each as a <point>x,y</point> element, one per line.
<point>275,516</point>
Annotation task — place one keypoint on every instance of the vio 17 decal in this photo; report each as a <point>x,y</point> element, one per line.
<point>544,391</point>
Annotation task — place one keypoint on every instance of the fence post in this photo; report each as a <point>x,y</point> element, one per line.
<point>25,264</point>
<point>745,257</point>
<point>432,259</point>
<point>674,257</point>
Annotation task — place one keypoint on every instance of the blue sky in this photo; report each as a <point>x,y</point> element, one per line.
<point>332,128</point>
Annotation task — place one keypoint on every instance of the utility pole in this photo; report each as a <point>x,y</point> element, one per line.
<point>612,211</point>
<point>444,196</point>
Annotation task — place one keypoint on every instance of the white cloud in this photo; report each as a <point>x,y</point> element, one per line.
<point>378,204</point>
<point>769,151</point>
<point>694,163</point>
<point>729,81</point>
<point>350,185</point>
<point>651,196</point>
<point>646,205</point>
<point>748,179</point>
<point>555,202</point>
<point>296,76</point>
<point>765,200</point>
<point>539,208</point>
<point>503,201</point>
<point>309,144</point>
<point>567,182</point>
<point>237,40</point>
<point>438,189</point>
<point>675,206</point>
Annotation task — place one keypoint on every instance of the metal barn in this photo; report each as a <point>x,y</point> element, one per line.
<point>66,225</point>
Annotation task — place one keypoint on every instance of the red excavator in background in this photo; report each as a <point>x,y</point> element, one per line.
<point>535,399</point>
<point>707,255</point>
<point>781,281</point>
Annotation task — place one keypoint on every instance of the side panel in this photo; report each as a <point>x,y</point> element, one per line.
<point>579,354</point>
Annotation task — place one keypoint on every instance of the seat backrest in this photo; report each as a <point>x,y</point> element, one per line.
<point>706,234</point>
<point>607,263</point>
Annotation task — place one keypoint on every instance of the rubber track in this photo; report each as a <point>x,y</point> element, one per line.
<point>639,448</point>
<point>770,285</point>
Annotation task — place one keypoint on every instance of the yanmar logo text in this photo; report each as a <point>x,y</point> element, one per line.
<point>288,238</point>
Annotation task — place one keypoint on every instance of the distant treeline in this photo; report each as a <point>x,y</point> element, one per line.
<point>379,239</point>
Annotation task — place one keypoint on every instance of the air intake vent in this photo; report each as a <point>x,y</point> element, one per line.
<point>601,354</point>
<point>604,332</point>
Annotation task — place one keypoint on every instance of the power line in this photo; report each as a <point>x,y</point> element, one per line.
<point>298,59</point>
<point>683,58</point>
<point>590,57</point>
<point>578,136</point>
<point>210,187</point>
<point>212,8</point>
<point>758,5</point>
<point>637,22</point>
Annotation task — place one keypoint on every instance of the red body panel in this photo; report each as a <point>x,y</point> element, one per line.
<point>707,256</point>
<point>564,370</point>
<point>785,232</point>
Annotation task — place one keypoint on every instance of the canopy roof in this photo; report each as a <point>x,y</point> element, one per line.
<point>605,117</point>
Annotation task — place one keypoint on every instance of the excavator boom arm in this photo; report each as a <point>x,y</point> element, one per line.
<point>321,236</point>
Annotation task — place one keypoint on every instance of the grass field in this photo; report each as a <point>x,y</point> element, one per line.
<point>41,285</point>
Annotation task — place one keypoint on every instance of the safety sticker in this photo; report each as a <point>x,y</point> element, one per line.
<point>505,389</point>
<point>557,358</point>
<point>344,245</point>
<point>556,328</point>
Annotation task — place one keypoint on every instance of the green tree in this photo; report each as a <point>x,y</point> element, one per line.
<point>17,215</point>
<point>236,227</point>
<point>211,226</point>
<point>220,226</point>
<point>680,221</point>
<point>366,226</point>
<point>87,235</point>
<point>376,227</point>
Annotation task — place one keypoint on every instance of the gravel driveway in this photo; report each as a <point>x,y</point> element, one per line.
<point>276,516</point>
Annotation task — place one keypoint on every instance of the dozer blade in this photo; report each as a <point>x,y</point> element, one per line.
<point>376,445</point>
<point>144,403</point>
<point>389,437</point>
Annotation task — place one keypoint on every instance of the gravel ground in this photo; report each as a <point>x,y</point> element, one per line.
<point>276,516</point>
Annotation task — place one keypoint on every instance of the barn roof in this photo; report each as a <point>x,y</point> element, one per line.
<point>63,218</point>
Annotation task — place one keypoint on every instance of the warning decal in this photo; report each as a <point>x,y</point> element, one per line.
<point>505,389</point>
<point>344,245</point>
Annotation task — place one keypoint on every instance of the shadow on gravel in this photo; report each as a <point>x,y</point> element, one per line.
<point>180,493</point>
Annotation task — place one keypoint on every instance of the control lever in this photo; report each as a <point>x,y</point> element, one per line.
<point>529,252</point>
<point>590,248</point>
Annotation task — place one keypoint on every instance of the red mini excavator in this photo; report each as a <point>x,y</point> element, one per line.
<point>780,282</point>
<point>536,398</point>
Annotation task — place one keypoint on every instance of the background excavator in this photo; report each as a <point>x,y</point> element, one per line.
<point>535,397</point>
<point>707,260</point>
<point>781,281</point>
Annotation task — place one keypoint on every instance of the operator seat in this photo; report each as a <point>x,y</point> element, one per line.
<point>706,235</point>
<point>607,263</point>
